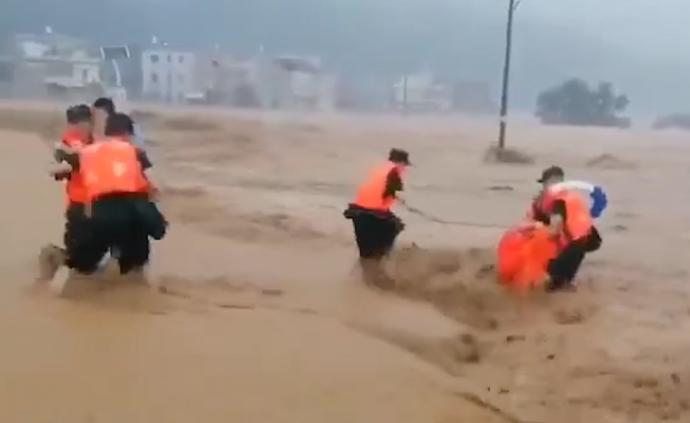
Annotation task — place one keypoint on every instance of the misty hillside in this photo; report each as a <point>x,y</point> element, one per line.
<point>460,39</point>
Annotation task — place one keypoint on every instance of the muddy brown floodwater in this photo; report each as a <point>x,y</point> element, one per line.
<point>259,314</point>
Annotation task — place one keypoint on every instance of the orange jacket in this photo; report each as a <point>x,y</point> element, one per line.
<point>578,220</point>
<point>370,194</point>
<point>75,190</point>
<point>111,166</point>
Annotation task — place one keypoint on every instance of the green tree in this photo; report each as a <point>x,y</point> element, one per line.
<point>574,103</point>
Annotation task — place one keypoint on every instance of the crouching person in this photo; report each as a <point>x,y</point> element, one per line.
<point>563,208</point>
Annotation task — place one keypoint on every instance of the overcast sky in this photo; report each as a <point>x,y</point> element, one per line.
<point>644,27</point>
<point>639,45</point>
<point>646,41</point>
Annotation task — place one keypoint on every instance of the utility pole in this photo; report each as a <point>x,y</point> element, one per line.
<point>512,6</point>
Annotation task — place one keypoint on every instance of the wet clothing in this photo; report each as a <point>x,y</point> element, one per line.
<point>76,223</point>
<point>375,232</point>
<point>375,226</point>
<point>111,166</point>
<point>74,140</point>
<point>123,221</point>
<point>393,183</point>
<point>76,236</point>
<point>570,206</point>
<point>578,237</point>
<point>73,159</point>
<point>539,214</point>
<point>122,217</point>
<point>564,267</point>
<point>377,192</point>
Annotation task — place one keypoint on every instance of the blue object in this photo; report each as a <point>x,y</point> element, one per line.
<point>599,202</point>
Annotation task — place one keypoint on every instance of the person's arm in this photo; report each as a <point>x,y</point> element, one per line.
<point>394,184</point>
<point>558,217</point>
<point>144,159</point>
<point>68,161</point>
<point>60,171</point>
<point>147,169</point>
<point>60,150</point>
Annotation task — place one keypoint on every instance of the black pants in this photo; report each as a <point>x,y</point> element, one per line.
<point>77,237</point>
<point>123,221</point>
<point>375,232</point>
<point>563,269</point>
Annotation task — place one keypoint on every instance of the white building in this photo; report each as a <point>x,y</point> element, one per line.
<point>168,75</point>
<point>296,82</point>
<point>422,92</point>
<point>51,65</point>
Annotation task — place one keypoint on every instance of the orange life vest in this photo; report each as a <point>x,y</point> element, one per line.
<point>578,223</point>
<point>370,193</point>
<point>111,166</point>
<point>75,190</point>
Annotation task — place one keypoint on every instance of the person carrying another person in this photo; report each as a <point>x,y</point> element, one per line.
<point>376,227</point>
<point>76,135</point>
<point>117,200</point>
<point>561,206</point>
<point>103,108</point>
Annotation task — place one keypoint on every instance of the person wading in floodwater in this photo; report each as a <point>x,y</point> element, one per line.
<point>376,227</point>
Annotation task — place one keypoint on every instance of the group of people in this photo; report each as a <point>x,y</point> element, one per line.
<point>560,209</point>
<point>110,194</point>
<point>111,210</point>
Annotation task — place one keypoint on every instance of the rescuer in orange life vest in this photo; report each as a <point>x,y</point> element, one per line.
<point>74,137</point>
<point>117,200</point>
<point>568,216</point>
<point>375,225</point>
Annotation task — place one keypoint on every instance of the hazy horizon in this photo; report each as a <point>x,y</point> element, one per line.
<point>631,43</point>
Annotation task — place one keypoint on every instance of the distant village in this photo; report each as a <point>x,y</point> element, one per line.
<point>50,65</point>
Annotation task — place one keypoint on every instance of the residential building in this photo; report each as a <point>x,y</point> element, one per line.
<point>422,92</point>
<point>296,82</point>
<point>168,75</point>
<point>227,80</point>
<point>283,82</point>
<point>50,65</point>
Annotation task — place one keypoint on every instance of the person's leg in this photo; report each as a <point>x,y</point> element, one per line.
<point>88,244</point>
<point>594,241</point>
<point>133,245</point>
<point>372,242</point>
<point>134,252</point>
<point>50,259</point>
<point>563,269</point>
<point>389,233</point>
<point>364,235</point>
<point>82,244</point>
<point>75,237</point>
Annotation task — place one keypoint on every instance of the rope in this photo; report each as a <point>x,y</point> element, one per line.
<point>435,219</point>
